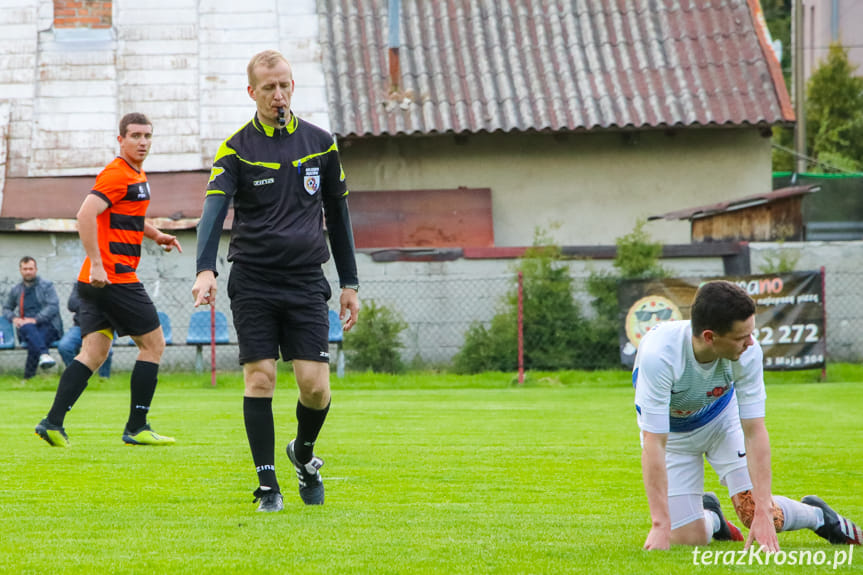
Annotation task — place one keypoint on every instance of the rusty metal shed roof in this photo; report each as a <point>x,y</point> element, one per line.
<point>736,204</point>
<point>520,65</point>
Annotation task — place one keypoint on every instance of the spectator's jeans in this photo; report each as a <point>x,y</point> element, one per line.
<point>36,338</point>
<point>70,345</point>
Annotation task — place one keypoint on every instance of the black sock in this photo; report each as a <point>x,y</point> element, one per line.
<point>143,385</point>
<point>72,384</point>
<point>309,424</point>
<point>258,416</point>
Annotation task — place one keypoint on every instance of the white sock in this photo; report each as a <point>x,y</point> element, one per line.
<point>711,522</point>
<point>799,515</point>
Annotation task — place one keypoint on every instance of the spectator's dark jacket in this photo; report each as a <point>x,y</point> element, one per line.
<point>49,304</point>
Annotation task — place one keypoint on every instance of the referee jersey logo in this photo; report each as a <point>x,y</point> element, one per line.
<point>311,184</point>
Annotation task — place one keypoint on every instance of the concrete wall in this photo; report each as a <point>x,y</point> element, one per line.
<point>595,185</point>
<point>438,300</point>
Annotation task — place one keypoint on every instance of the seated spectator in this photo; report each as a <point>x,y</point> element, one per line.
<point>33,308</point>
<point>70,343</point>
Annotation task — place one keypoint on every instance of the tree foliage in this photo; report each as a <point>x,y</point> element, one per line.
<point>374,344</point>
<point>637,258</point>
<point>556,334</point>
<point>834,118</point>
<point>834,112</point>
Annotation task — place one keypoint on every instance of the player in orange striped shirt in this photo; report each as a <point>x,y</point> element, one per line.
<point>112,225</point>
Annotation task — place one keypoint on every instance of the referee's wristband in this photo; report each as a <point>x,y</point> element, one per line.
<point>355,287</point>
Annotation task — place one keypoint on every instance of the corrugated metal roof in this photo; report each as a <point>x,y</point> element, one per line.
<point>518,65</point>
<point>736,204</point>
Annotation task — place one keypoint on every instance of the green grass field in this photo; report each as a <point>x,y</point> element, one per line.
<point>424,473</point>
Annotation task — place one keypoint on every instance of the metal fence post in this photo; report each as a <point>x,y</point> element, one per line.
<point>213,344</point>
<point>520,328</point>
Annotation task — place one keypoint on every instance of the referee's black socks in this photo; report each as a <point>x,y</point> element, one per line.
<point>144,377</point>
<point>258,416</point>
<point>309,424</point>
<point>72,384</point>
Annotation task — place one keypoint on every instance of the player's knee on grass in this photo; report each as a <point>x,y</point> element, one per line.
<point>744,506</point>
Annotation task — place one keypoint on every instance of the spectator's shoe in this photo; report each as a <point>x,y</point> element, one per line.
<point>271,501</point>
<point>54,434</point>
<point>836,529</point>
<point>311,484</point>
<point>727,530</point>
<point>46,361</point>
<point>146,436</point>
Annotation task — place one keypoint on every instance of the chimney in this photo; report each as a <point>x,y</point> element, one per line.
<point>395,69</point>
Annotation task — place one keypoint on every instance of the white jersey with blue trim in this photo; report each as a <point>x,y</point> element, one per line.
<point>674,392</point>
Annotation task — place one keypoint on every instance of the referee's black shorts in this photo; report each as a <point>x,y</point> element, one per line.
<point>124,308</point>
<point>287,314</point>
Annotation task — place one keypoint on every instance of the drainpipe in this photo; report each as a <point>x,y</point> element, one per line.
<point>834,21</point>
<point>799,89</point>
<point>395,71</point>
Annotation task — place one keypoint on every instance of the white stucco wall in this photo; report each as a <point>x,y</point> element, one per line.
<point>181,62</point>
<point>596,185</point>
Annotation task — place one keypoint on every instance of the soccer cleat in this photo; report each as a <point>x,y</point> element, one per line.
<point>146,436</point>
<point>271,501</point>
<point>311,484</point>
<point>53,434</point>
<point>836,529</point>
<point>46,361</point>
<point>727,530</point>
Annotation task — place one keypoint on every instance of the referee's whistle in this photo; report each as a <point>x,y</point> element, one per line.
<point>282,118</point>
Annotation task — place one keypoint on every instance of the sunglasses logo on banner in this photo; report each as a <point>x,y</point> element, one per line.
<point>646,313</point>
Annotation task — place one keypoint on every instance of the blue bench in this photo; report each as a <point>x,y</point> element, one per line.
<point>199,334</point>
<point>7,334</point>
<point>166,331</point>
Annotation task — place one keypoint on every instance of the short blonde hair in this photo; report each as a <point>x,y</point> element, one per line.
<point>268,58</point>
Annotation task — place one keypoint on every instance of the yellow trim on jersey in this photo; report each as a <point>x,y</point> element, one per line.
<point>270,130</point>
<point>270,165</point>
<point>214,192</point>
<point>332,148</point>
<point>224,150</point>
<point>215,173</point>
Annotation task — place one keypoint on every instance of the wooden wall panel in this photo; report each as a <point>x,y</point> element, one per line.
<point>422,218</point>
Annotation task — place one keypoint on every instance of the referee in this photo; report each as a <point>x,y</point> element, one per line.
<point>280,172</point>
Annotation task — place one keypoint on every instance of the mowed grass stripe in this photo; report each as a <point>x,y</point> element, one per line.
<point>459,480</point>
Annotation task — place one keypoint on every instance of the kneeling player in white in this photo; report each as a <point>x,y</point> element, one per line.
<point>699,392</point>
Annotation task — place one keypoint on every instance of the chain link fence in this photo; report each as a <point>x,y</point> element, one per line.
<point>439,311</point>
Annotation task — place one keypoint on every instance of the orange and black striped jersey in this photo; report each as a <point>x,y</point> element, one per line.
<point>121,226</point>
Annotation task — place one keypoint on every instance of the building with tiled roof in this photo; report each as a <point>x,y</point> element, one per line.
<point>483,119</point>
<point>471,66</point>
<point>590,114</point>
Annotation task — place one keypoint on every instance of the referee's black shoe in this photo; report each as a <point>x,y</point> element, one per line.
<point>727,530</point>
<point>836,529</point>
<point>270,500</point>
<point>311,484</point>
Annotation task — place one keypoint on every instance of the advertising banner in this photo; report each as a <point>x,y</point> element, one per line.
<point>789,316</point>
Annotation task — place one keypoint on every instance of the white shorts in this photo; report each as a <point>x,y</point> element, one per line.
<point>721,442</point>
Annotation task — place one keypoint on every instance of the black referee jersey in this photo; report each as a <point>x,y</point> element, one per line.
<point>279,181</point>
